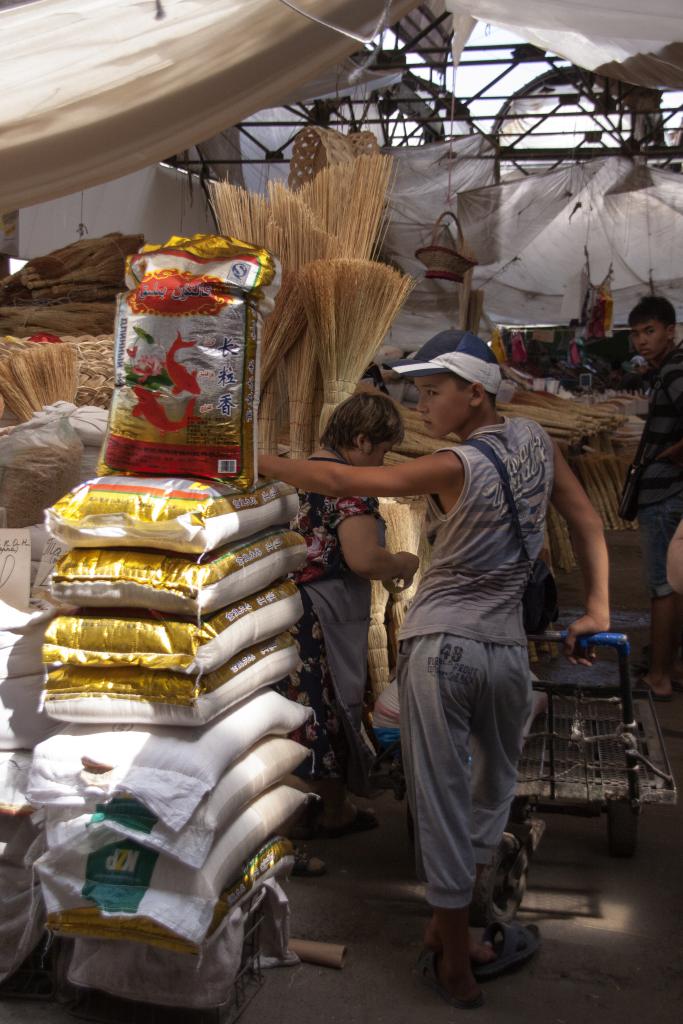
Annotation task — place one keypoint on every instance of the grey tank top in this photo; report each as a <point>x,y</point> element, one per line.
<point>478,573</point>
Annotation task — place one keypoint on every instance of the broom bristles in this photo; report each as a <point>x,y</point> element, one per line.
<point>350,305</point>
<point>302,373</point>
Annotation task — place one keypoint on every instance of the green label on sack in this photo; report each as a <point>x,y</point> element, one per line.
<point>118,876</point>
<point>127,812</point>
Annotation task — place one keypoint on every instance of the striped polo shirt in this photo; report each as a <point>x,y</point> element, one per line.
<point>664,427</point>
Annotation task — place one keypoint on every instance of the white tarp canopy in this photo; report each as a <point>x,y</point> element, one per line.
<point>636,41</point>
<point>535,236</point>
<point>93,90</point>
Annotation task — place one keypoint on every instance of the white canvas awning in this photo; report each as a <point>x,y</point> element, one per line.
<point>92,90</point>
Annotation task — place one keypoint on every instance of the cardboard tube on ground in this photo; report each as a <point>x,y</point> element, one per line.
<point>327,954</point>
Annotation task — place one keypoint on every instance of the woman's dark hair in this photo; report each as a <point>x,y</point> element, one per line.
<point>652,307</point>
<point>373,415</point>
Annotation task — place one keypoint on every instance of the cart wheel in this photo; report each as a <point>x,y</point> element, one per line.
<point>501,886</point>
<point>622,828</point>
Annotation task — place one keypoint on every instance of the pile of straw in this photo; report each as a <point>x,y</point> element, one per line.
<point>565,420</point>
<point>63,318</point>
<point>602,476</point>
<point>69,291</point>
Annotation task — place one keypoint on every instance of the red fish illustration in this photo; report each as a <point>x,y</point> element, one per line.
<point>149,408</point>
<point>183,379</point>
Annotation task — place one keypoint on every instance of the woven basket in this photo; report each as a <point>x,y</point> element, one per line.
<point>442,260</point>
<point>315,148</point>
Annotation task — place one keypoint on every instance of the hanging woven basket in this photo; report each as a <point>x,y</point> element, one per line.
<point>443,260</point>
<point>315,148</point>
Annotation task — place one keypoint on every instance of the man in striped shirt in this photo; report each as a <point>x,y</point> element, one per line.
<point>660,493</point>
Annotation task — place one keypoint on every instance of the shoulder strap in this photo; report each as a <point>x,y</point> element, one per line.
<point>499,466</point>
<point>642,444</point>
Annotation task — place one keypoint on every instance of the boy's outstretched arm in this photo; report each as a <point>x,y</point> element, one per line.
<point>588,539</point>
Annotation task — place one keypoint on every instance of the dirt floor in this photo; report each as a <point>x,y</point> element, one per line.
<point>611,928</point>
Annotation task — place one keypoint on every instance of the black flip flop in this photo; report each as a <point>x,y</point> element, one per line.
<point>426,971</point>
<point>514,944</point>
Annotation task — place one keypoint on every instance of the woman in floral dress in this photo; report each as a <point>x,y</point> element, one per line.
<point>345,541</point>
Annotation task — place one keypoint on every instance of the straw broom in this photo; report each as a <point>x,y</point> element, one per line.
<point>272,406</point>
<point>38,376</point>
<point>302,240</point>
<point>302,373</point>
<point>360,186</point>
<point>283,328</point>
<point>242,214</point>
<point>302,237</point>
<point>378,647</point>
<point>350,305</point>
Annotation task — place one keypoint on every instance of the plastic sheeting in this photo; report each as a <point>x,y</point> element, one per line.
<point>94,90</point>
<point>638,42</point>
<point>534,236</point>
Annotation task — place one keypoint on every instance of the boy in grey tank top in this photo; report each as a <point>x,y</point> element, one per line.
<point>463,666</point>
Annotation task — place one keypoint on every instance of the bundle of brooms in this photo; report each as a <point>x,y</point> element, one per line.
<point>95,356</point>
<point>35,377</point>
<point>309,227</point>
<point>350,306</point>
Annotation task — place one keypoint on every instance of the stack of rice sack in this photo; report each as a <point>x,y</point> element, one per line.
<point>23,724</point>
<point>163,792</point>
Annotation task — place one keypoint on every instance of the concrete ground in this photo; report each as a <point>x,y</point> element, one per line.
<point>611,928</point>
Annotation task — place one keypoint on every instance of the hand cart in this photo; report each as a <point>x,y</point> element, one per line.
<point>594,749</point>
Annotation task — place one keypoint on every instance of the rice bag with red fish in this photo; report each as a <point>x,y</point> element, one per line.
<point>186,353</point>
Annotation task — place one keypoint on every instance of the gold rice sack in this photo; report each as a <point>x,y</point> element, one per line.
<point>174,513</point>
<point>186,355</point>
<point>157,687</point>
<point>169,582</point>
<point>152,640</point>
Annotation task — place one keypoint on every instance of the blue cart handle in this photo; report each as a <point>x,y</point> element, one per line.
<point>619,641</point>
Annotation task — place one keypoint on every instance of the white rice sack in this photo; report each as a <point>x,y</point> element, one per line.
<point>15,766</point>
<point>189,516</point>
<point>144,973</point>
<point>150,697</point>
<point>168,769</point>
<point>120,877</point>
<point>153,640</point>
<point>23,656</point>
<point>265,765</point>
<point>22,916</point>
<point>23,722</point>
<point>177,584</point>
<point>21,640</point>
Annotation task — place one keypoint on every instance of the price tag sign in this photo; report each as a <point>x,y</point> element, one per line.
<point>52,552</point>
<point>15,567</point>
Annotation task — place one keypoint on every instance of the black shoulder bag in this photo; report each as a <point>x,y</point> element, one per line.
<point>539,603</point>
<point>628,503</point>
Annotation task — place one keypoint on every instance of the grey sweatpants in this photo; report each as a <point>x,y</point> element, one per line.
<point>463,708</point>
